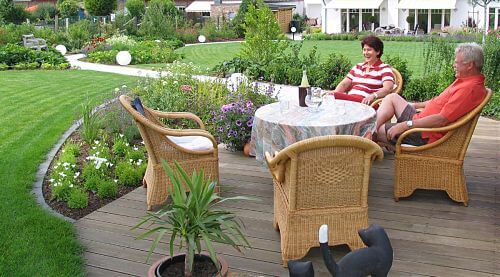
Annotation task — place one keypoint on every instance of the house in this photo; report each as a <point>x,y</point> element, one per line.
<point>219,9</point>
<point>340,16</point>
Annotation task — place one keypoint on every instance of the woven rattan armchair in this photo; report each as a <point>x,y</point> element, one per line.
<point>162,143</point>
<point>438,165</point>
<point>398,81</point>
<point>322,180</point>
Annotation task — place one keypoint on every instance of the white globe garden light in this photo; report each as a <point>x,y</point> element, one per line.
<point>62,49</point>
<point>293,29</point>
<point>202,38</point>
<point>123,58</point>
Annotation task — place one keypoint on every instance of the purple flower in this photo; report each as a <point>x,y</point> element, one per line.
<point>250,122</point>
<point>221,129</point>
<point>222,117</point>
<point>249,104</point>
<point>238,122</point>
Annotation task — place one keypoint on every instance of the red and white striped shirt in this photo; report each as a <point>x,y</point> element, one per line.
<point>366,82</point>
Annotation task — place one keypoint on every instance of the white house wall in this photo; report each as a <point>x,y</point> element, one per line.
<point>314,11</point>
<point>390,14</point>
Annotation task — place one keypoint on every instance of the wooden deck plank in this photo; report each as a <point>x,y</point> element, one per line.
<point>431,235</point>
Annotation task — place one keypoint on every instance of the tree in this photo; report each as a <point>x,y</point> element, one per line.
<point>9,12</point>
<point>262,34</point>
<point>100,7</point>
<point>484,4</point>
<point>239,19</point>
<point>67,8</point>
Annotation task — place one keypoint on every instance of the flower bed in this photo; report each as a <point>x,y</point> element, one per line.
<point>94,168</point>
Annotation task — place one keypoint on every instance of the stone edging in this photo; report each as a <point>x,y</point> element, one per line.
<point>37,190</point>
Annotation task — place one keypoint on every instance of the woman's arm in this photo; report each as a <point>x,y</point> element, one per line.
<point>387,88</point>
<point>343,86</point>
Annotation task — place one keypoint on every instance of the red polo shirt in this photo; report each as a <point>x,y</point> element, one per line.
<point>462,96</point>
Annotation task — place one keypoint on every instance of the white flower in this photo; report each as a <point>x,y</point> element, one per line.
<point>127,144</point>
<point>124,86</point>
<point>94,148</point>
<point>121,135</point>
<point>117,89</point>
<point>70,185</point>
<point>63,151</point>
<point>116,181</point>
<point>58,163</point>
<point>73,166</point>
<point>96,141</point>
<point>130,160</point>
<point>135,148</point>
<point>55,167</point>
<point>62,174</point>
<point>66,164</point>
<point>51,180</point>
<point>142,142</point>
<point>77,174</point>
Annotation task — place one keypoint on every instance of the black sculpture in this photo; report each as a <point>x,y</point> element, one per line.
<point>375,260</point>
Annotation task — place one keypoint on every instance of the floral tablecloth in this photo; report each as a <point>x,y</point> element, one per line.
<point>274,129</point>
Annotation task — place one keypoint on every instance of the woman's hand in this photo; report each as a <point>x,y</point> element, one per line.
<point>369,99</point>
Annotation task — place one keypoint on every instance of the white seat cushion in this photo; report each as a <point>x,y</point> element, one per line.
<point>408,145</point>
<point>192,142</point>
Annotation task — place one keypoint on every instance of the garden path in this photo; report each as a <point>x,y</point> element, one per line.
<point>75,62</point>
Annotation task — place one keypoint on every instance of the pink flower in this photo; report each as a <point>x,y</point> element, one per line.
<point>186,88</point>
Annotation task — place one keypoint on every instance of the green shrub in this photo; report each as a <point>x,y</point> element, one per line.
<point>120,146</point>
<point>61,191</point>
<point>92,182</point>
<point>78,199</point>
<point>128,174</point>
<point>330,71</point>
<point>68,8</point>
<point>3,67</point>
<point>45,11</point>
<point>79,33</point>
<point>422,88</point>
<point>107,189</point>
<point>106,57</point>
<point>26,66</point>
<point>159,20</point>
<point>100,7</point>
<point>401,65</point>
<point>90,171</point>
<point>136,8</point>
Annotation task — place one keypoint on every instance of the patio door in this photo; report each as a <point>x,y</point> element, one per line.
<point>423,20</point>
<point>353,20</point>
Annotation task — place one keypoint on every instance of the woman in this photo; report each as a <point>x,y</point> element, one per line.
<point>369,80</point>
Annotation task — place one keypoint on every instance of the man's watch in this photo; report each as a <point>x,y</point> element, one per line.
<point>409,123</point>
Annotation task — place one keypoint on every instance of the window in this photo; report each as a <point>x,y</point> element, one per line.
<point>205,14</point>
<point>491,18</point>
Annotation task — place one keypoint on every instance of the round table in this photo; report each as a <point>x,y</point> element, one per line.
<point>274,129</point>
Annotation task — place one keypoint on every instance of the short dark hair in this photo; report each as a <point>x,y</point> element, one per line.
<point>375,43</point>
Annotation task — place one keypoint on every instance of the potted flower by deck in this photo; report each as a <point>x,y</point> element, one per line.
<point>192,219</point>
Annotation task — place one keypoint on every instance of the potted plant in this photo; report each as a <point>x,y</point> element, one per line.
<point>192,219</point>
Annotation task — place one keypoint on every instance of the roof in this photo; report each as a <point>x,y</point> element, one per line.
<point>312,2</point>
<point>354,4</point>
<point>199,6</point>
<point>427,4</point>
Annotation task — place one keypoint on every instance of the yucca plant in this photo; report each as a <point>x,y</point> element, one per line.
<point>193,218</point>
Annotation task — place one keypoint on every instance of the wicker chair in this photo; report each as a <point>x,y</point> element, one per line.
<point>314,185</point>
<point>163,143</point>
<point>438,165</point>
<point>398,81</point>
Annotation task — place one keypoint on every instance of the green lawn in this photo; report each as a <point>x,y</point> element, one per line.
<point>37,107</point>
<point>209,55</point>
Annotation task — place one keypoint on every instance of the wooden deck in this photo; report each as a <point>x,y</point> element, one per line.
<point>431,235</point>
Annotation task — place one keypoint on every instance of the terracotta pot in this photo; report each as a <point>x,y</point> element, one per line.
<point>156,269</point>
<point>246,149</point>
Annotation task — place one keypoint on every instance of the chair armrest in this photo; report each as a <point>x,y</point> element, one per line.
<point>376,102</point>
<point>275,167</point>
<point>448,128</point>
<point>174,115</point>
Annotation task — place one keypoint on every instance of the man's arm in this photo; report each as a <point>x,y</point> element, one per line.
<point>420,105</point>
<point>430,121</point>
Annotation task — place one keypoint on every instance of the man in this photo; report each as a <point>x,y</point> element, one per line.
<point>462,96</point>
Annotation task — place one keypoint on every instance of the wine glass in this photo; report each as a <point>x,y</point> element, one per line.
<point>314,98</point>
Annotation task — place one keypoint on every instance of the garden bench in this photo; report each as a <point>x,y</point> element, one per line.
<point>31,41</point>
